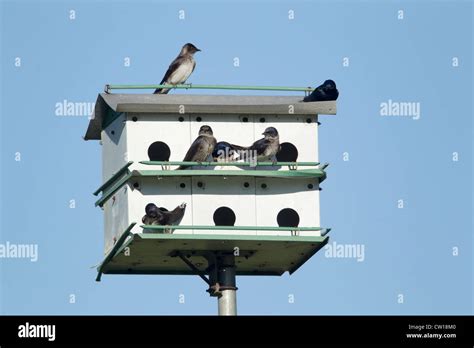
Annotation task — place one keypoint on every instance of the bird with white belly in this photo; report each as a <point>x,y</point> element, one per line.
<point>180,69</point>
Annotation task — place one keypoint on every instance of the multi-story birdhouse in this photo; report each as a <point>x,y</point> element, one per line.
<point>265,213</point>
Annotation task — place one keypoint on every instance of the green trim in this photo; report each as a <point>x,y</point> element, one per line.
<point>109,193</point>
<point>239,273</point>
<point>111,186</point>
<point>232,237</point>
<point>238,164</point>
<point>325,231</point>
<point>324,166</point>
<point>110,117</point>
<point>114,250</point>
<point>305,173</point>
<point>113,178</point>
<point>108,88</point>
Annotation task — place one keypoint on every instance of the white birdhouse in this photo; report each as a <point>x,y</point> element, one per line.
<point>258,210</point>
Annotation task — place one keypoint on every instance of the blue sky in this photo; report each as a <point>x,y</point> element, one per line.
<point>408,251</point>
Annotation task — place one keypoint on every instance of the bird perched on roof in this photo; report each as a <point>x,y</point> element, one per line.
<point>202,148</point>
<point>262,150</point>
<point>326,91</point>
<point>163,217</point>
<point>180,69</point>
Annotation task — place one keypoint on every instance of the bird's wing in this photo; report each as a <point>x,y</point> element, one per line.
<point>196,147</point>
<point>172,68</point>
<point>194,65</point>
<point>260,146</point>
<point>164,219</point>
<point>238,147</point>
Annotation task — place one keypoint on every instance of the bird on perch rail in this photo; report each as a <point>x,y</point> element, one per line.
<point>224,152</point>
<point>201,149</point>
<point>160,216</point>
<point>262,150</point>
<point>180,69</point>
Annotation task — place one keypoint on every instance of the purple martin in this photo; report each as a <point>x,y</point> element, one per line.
<point>326,91</point>
<point>224,152</point>
<point>264,149</point>
<point>180,69</point>
<point>201,148</point>
<point>160,216</point>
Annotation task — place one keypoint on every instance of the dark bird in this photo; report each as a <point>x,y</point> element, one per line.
<point>163,217</point>
<point>262,150</point>
<point>225,152</point>
<point>153,215</point>
<point>201,148</point>
<point>327,91</point>
<point>180,69</point>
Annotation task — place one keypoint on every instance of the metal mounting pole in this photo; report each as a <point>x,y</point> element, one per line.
<point>222,276</point>
<point>227,302</point>
<point>221,281</point>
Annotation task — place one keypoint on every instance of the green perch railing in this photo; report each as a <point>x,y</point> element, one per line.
<point>118,179</point>
<point>237,164</point>
<point>109,88</point>
<point>324,231</point>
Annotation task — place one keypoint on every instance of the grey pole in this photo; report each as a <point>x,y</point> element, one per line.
<point>227,299</point>
<point>227,302</point>
<point>222,281</point>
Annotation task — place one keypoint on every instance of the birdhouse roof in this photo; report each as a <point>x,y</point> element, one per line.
<point>108,105</point>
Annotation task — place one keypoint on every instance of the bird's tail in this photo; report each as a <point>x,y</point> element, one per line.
<point>161,91</point>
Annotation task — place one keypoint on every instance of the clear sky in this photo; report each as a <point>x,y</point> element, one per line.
<point>417,259</point>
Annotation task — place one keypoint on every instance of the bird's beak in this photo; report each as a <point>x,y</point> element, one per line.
<point>198,50</point>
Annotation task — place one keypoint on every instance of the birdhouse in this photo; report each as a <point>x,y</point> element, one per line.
<point>265,215</point>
